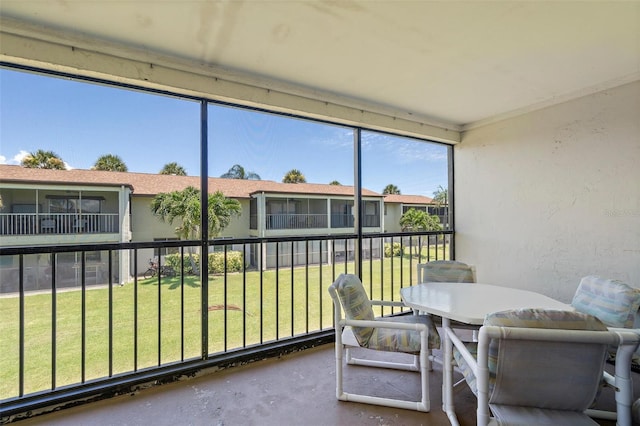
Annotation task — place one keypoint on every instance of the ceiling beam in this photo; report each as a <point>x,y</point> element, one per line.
<point>21,44</point>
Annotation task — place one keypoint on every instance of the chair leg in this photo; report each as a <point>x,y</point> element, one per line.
<point>429,363</point>
<point>425,367</point>
<point>339,388</point>
<point>420,364</point>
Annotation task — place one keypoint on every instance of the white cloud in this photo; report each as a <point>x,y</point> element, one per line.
<point>17,159</point>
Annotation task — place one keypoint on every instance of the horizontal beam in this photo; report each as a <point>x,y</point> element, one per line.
<point>24,45</point>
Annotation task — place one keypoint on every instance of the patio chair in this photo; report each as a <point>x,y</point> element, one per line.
<point>440,271</point>
<point>536,366</point>
<point>447,271</point>
<point>611,301</point>
<point>410,334</point>
<point>47,225</point>
<point>616,304</point>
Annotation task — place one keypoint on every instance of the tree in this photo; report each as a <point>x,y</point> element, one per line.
<point>294,176</point>
<point>441,196</point>
<point>173,169</point>
<point>391,189</point>
<point>184,206</point>
<point>42,159</point>
<point>441,199</point>
<point>238,172</point>
<point>335,182</point>
<point>419,220</point>
<point>110,163</point>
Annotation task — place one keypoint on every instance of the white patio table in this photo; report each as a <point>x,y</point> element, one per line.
<point>468,303</point>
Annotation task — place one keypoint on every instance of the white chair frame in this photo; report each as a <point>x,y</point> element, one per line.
<point>421,271</point>
<point>626,340</point>
<point>345,340</point>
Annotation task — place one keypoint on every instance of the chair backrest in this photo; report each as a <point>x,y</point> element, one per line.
<point>349,295</point>
<point>613,302</point>
<point>552,367</point>
<point>445,271</point>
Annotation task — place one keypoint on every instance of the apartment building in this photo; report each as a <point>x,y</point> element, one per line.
<point>49,207</point>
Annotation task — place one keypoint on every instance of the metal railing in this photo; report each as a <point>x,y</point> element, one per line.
<point>58,223</point>
<point>296,221</point>
<point>106,334</point>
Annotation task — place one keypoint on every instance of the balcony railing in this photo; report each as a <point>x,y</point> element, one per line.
<point>58,223</point>
<point>347,221</point>
<point>105,335</point>
<point>296,221</point>
<point>311,221</point>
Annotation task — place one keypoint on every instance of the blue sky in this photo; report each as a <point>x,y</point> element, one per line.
<point>81,121</point>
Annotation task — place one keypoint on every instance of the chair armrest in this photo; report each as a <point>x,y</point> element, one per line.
<point>464,351</point>
<point>384,324</point>
<point>388,303</point>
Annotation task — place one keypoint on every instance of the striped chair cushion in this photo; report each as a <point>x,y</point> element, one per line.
<point>356,305</point>
<point>613,302</point>
<point>447,271</point>
<point>408,341</point>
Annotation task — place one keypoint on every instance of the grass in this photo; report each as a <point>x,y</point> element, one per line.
<point>168,319</point>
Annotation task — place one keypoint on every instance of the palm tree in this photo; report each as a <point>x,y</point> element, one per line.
<point>42,159</point>
<point>441,196</point>
<point>238,172</point>
<point>441,199</point>
<point>391,189</point>
<point>294,176</point>
<point>335,182</point>
<point>185,206</point>
<point>110,163</point>
<point>173,169</point>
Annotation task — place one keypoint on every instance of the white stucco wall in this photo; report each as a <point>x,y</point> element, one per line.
<point>393,213</point>
<point>546,198</point>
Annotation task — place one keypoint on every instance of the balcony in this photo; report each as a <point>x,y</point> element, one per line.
<point>281,310</point>
<point>296,221</point>
<point>121,331</point>
<point>58,223</point>
<point>545,177</point>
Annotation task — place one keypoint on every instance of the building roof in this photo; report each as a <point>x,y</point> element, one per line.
<point>407,199</point>
<point>144,184</point>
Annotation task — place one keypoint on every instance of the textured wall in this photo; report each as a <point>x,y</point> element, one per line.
<point>546,198</point>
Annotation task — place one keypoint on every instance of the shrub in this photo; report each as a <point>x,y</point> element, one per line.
<point>235,262</point>
<point>394,251</point>
<point>173,260</point>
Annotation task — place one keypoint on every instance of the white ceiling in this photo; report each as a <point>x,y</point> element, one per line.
<point>451,62</point>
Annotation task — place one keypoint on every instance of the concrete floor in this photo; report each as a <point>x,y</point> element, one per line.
<point>298,389</point>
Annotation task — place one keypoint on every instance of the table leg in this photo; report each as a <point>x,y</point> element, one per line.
<point>447,371</point>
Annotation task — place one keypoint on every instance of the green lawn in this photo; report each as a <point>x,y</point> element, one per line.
<point>178,333</point>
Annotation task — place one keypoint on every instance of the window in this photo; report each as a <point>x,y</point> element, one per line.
<point>74,204</point>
